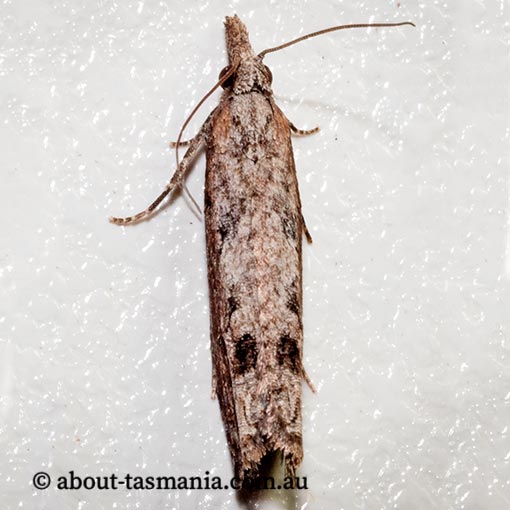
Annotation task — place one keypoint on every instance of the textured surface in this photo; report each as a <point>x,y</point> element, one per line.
<point>254,230</point>
<point>104,356</point>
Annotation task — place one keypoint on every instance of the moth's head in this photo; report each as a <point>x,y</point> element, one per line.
<point>250,72</point>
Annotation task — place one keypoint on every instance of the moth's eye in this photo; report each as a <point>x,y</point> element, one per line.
<point>269,74</point>
<point>230,79</point>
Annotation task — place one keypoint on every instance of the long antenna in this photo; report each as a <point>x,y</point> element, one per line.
<point>220,82</point>
<point>262,54</point>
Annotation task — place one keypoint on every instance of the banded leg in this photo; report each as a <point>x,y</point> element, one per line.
<point>176,181</point>
<point>302,132</point>
<point>182,143</point>
<point>307,379</point>
<point>214,386</point>
<point>306,231</point>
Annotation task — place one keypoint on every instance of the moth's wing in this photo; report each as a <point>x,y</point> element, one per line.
<point>254,230</point>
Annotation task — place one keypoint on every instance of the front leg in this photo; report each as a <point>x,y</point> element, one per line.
<point>177,179</point>
<point>182,143</point>
<point>302,132</point>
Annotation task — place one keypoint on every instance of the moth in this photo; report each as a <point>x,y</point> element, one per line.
<point>254,228</point>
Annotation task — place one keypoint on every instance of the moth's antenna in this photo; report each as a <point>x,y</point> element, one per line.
<point>220,82</point>
<point>262,54</point>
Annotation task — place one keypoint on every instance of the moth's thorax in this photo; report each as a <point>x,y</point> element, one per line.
<point>251,73</point>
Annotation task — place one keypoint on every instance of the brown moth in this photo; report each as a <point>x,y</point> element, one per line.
<point>254,229</point>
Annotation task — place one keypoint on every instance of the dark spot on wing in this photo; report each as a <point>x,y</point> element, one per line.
<point>233,305</point>
<point>293,303</point>
<point>228,224</point>
<point>245,353</point>
<point>289,224</point>
<point>288,354</point>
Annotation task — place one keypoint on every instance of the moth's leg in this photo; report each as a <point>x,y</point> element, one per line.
<point>214,386</point>
<point>182,143</point>
<point>308,380</point>
<point>302,132</point>
<point>176,181</point>
<point>306,231</point>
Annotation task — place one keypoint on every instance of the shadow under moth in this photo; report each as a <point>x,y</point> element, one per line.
<point>254,228</point>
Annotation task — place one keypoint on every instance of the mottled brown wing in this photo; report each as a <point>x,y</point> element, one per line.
<point>254,231</point>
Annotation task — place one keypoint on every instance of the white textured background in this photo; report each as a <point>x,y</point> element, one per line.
<point>104,348</point>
